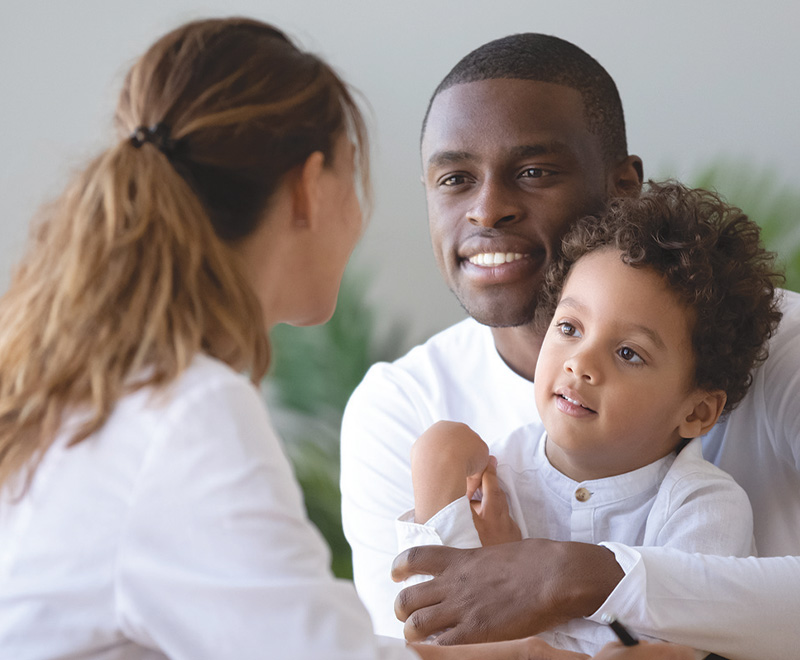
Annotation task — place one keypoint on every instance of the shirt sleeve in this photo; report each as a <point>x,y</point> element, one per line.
<point>741,607</point>
<point>781,385</point>
<point>219,559</point>
<point>452,526</point>
<point>380,424</point>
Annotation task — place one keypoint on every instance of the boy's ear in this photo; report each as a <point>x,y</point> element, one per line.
<point>707,408</point>
<point>305,183</point>
<point>626,177</point>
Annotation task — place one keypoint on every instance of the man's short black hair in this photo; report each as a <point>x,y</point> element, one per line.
<point>544,58</point>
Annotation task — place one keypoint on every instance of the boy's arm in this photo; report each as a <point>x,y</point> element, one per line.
<point>447,462</point>
<point>450,461</point>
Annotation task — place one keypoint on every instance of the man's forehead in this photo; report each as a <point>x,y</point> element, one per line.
<point>503,95</point>
<point>523,115</point>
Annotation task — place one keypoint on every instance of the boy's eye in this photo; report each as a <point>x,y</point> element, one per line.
<point>567,329</point>
<point>629,355</point>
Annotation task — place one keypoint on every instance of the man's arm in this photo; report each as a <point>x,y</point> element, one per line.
<point>381,422</point>
<point>742,607</point>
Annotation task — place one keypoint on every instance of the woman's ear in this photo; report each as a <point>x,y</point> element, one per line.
<point>306,191</point>
<point>708,406</point>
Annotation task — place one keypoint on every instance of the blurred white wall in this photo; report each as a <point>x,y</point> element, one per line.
<point>698,80</point>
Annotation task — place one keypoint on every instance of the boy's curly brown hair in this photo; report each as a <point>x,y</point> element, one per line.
<point>711,255</point>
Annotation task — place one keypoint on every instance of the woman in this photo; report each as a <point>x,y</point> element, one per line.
<point>147,509</point>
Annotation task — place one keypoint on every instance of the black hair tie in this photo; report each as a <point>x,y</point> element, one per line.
<point>157,135</point>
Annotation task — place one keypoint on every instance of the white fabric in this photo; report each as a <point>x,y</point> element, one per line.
<point>745,607</point>
<point>680,501</point>
<point>176,531</point>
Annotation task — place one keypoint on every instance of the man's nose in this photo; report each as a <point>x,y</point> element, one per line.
<point>494,204</point>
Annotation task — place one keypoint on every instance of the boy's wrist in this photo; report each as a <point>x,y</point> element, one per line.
<point>434,490</point>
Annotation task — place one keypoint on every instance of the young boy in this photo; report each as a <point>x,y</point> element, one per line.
<point>652,322</point>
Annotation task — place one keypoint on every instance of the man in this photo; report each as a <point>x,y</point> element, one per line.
<point>523,136</point>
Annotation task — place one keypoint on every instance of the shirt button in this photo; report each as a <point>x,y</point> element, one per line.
<point>582,495</point>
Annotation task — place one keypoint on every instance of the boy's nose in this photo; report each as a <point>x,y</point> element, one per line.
<point>583,365</point>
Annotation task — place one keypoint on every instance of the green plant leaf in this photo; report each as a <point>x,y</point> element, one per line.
<point>313,374</point>
<point>773,205</point>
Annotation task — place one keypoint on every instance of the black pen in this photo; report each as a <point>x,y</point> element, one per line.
<point>621,631</point>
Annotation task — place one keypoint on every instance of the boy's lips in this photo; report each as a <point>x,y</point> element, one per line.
<point>572,403</point>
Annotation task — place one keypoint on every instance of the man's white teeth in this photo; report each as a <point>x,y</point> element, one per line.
<point>495,258</point>
<point>572,401</point>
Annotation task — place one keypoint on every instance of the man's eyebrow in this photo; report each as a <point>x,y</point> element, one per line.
<point>442,158</point>
<point>449,157</point>
<point>553,147</point>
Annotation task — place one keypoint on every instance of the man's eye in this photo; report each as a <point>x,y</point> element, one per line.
<point>453,180</point>
<point>534,172</point>
<point>629,355</point>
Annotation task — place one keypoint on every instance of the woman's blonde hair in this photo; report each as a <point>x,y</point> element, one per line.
<point>131,272</point>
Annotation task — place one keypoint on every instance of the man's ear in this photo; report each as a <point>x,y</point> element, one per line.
<point>707,408</point>
<point>626,177</point>
<point>306,189</point>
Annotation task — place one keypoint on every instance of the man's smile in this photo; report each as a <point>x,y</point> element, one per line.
<point>495,258</point>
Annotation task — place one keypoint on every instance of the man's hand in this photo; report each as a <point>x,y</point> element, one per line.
<point>505,591</point>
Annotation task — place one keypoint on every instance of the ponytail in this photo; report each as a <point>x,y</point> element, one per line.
<point>125,282</point>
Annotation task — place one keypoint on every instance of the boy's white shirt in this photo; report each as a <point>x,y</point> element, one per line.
<point>458,375</point>
<point>680,501</point>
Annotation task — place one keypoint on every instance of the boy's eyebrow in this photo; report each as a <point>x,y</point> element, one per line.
<point>571,302</point>
<point>638,327</point>
<point>654,336</point>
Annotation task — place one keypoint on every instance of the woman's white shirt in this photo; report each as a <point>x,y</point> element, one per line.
<point>177,530</point>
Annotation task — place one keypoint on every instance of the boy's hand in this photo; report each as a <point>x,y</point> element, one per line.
<point>491,515</point>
